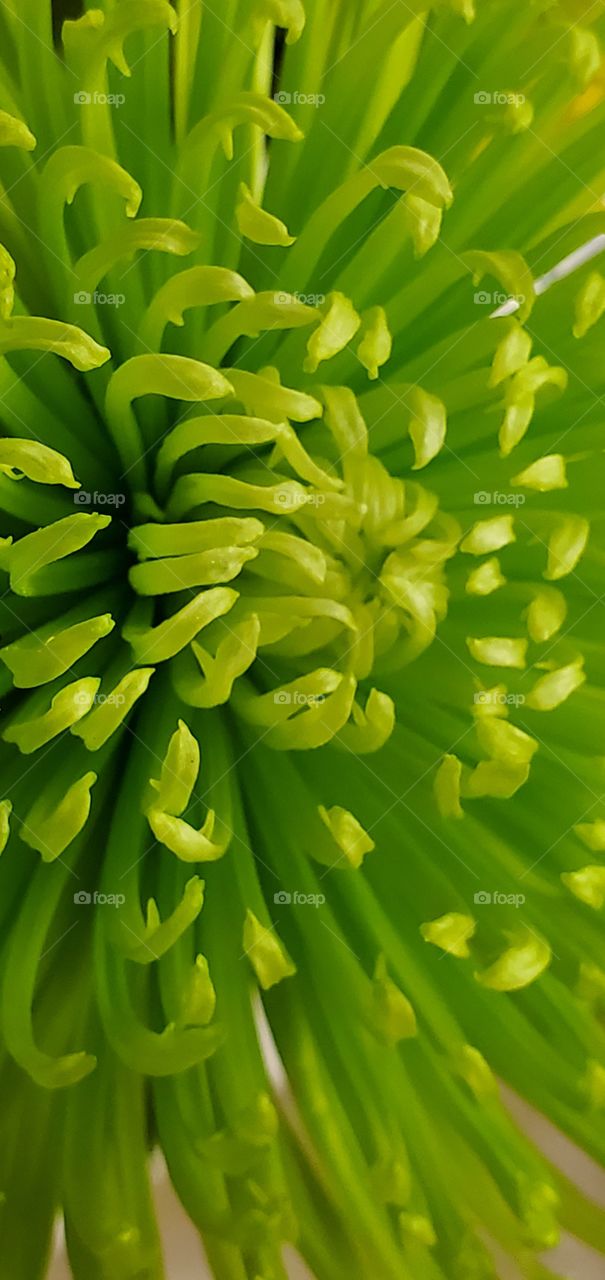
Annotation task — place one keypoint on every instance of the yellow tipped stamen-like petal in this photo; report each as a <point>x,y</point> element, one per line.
<point>338,327</point>
<point>15,133</point>
<point>592,834</point>
<point>588,885</point>
<point>546,614</point>
<point>517,967</point>
<point>352,841</point>
<point>566,546</point>
<point>6,809</point>
<point>590,304</point>
<point>428,426</point>
<point>447,787</point>
<point>49,827</point>
<point>265,952</point>
<point>390,1014</point>
<point>544,475</point>
<point>376,342</point>
<point>498,651</point>
<point>555,687</point>
<point>31,333</point>
<point>511,270</point>
<point>111,709</point>
<point>36,461</point>
<point>451,933</point>
<point>37,659</point>
<point>489,535</point>
<point>257,224</point>
<point>66,709</point>
<point>485,579</point>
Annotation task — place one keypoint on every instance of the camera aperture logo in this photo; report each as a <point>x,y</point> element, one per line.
<point>296,899</point>
<point>497,899</point>
<point>85,899</point>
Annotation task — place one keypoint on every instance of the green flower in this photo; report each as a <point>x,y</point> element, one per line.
<point>249,260</point>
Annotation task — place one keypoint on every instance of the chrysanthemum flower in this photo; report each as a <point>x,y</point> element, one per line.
<point>302,656</point>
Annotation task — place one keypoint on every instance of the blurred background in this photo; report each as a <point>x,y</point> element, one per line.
<point>185,1259</point>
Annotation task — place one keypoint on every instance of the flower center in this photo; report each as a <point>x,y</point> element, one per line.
<point>290,551</point>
